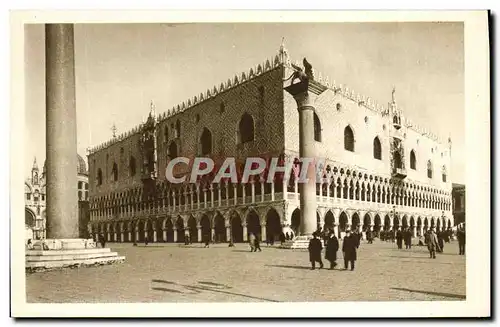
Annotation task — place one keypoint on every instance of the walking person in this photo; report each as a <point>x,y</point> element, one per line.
<point>399,238</point>
<point>407,238</point>
<point>433,243</point>
<point>461,240</point>
<point>349,249</point>
<point>251,242</point>
<point>332,246</point>
<point>207,240</point>
<point>440,236</point>
<point>315,248</point>
<point>257,243</point>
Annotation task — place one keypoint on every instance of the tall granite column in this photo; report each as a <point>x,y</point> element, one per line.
<point>304,93</point>
<point>62,202</point>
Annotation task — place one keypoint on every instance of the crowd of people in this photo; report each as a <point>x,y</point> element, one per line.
<point>433,240</point>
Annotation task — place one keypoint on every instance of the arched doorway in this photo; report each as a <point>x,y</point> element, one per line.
<point>318,221</point>
<point>253,224</point>
<point>179,224</point>
<point>387,223</point>
<point>295,223</point>
<point>412,225</point>
<point>449,223</point>
<point>150,230</point>
<point>140,229</point>
<point>220,229</point>
<point>426,224</point>
<point>169,228</point>
<point>329,222</point>
<point>29,218</point>
<point>405,222</point>
<point>355,222</point>
<point>343,221</point>
<point>193,230</point>
<point>206,228</point>
<point>273,225</point>
<point>377,224</point>
<point>419,225</point>
<point>367,222</point>
<point>236,228</point>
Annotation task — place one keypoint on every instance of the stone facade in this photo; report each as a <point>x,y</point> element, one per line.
<point>381,170</point>
<point>35,198</point>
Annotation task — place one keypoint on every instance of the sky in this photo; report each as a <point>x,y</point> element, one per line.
<point>121,68</point>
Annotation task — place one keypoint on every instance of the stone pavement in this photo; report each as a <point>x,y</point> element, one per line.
<point>173,273</point>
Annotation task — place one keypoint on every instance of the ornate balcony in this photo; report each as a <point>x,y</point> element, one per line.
<point>399,173</point>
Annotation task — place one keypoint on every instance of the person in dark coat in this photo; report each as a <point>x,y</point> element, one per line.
<point>349,247</point>
<point>257,243</point>
<point>440,236</point>
<point>206,239</point>
<point>287,236</point>
<point>399,238</point>
<point>315,248</point>
<point>332,246</point>
<point>461,240</point>
<point>102,239</point>
<point>407,238</point>
<point>282,238</point>
<point>369,236</point>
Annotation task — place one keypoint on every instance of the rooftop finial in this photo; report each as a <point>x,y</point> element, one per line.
<point>394,94</point>
<point>35,166</point>
<point>283,53</point>
<point>113,130</point>
<point>152,111</point>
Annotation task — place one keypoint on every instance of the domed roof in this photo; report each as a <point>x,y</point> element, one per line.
<point>81,166</point>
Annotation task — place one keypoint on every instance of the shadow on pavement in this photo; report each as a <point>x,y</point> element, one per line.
<point>205,286</point>
<point>431,261</point>
<point>291,267</point>
<point>450,295</point>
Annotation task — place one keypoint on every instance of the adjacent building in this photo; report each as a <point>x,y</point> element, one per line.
<point>35,200</point>
<point>383,171</point>
<point>458,194</point>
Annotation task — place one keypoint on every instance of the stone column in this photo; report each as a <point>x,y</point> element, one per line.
<point>228,233</point>
<point>264,233</point>
<point>272,191</point>
<point>199,233</point>
<point>164,235</point>
<point>129,236</point>
<point>155,237</point>
<point>245,233</point>
<point>304,94</point>
<point>122,237</point>
<point>175,235</point>
<point>62,199</point>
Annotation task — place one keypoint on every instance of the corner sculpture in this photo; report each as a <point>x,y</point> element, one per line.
<point>302,75</point>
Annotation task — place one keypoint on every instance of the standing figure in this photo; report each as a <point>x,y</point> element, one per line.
<point>102,240</point>
<point>282,238</point>
<point>257,243</point>
<point>369,236</point>
<point>440,236</point>
<point>251,242</point>
<point>461,240</point>
<point>332,246</point>
<point>315,248</point>
<point>432,243</point>
<point>349,249</point>
<point>399,238</point>
<point>207,240</point>
<point>407,237</point>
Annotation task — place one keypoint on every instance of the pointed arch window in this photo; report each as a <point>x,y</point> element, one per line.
<point>377,148</point>
<point>99,176</point>
<point>246,129</point>
<point>444,174</point>
<point>429,169</point>
<point>172,151</point>
<point>397,160</point>
<point>114,172</point>
<point>177,128</point>
<point>348,139</point>
<point>206,142</point>
<point>165,134</point>
<point>413,160</point>
<point>132,166</point>
<point>317,128</point>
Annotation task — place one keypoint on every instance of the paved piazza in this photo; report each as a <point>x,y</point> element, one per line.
<point>173,273</point>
